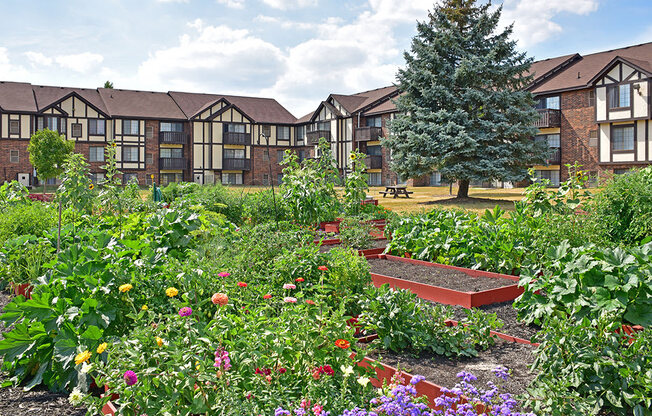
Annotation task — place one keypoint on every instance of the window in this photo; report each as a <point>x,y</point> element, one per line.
<point>302,155</point>
<point>14,127</point>
<point>97,178</point>
<point>232,179</point>
<point>169,126</point>
<point>374,150</point>
<point>592,98</point>
<point>130,127</point>
<point>76,130</point>
<point>265,179</point>
<point>283,133</point>
<point>172,153</point>
<point>435,179</point>
<point>622,138</point>
<point>321,126</point>
<point>96,127</point>
<point>619,96</point>
<point>620,171</point>
<point>267,131</point>
<point>548,103</point>
<point>551,175</point>
<point>96,154</point>
<point>14,156</point>
<point>266,155</point>
<point>280,154</point>
<point>234,153</point>
<point>51,123</point>
<point>375,179</point>
<point>593,138</point>
<point>553,141</point>
<point>279,178</point>
<point>129,177</point>
<point>168,178</point>
<point>149,158</point>
<point>374,122</point>
<point>149,132</point>
<point>301,133</point>
<point>130,154</point>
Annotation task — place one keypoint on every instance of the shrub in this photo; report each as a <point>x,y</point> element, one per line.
<point>26,219</point>
<point>24,259</point>
<point>356,233</point>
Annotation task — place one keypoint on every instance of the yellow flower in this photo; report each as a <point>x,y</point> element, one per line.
<point>125,288</point>
<point>197,366</point>
<point>159,341</point>
<point>144,308</point>
<point>113,144</point>
<point>171,292</point>
<point>91,186</point>
<point>82,357</point>
<point>352,156</point>
<point>102,347</point>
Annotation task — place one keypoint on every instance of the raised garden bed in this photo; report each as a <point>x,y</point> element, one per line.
<point>442,283</point>
<point>378,246</point>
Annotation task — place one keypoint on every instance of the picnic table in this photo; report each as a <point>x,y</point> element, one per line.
<point>396,191</point>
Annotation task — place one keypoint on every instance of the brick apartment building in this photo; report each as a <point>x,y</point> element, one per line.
<point>595,109</point>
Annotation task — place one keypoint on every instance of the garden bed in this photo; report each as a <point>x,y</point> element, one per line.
<point>442,283</point>
<point>375,244</point>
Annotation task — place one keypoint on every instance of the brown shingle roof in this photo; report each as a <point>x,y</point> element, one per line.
<point>385,107</point>
<point>46,96</point>
<point>262,110</point>
<point>357,101</point>
<point>17,96</point>
<point>140,104</point>
<point>579,74</point>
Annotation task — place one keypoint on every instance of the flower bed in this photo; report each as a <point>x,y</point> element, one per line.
<point>491,288</point>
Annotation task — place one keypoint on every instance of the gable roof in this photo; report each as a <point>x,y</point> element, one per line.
<point>17,96</point>
<point>580,73</point>
<point>140,104</point>
<point>638,65</point>
<point>46,97</point>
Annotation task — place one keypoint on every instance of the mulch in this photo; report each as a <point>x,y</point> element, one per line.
<point>436,276</point>
<point>508,315</point>
<point>14,401</point>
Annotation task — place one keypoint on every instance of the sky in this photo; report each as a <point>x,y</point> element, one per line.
<point>296,51</point>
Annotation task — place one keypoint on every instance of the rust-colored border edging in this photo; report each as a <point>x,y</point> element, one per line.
<point>449,296</point>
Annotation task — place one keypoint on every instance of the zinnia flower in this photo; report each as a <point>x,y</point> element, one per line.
<point>144,308</point>
<point>102,347</point>
<point>130,378</point>
<point>267,296</point>
<point>125,288</point>
<point>171,292</point>
<point>91,186</point>
<point>224,274</point>
<point>289,286</point>
<point>242,284</point>
<point>323,268</point>
<point>82,357</point>
<point>342,343</point>
<point>310,302</point>
<point>289,299</point>
<point>76,397</point>
<point>299,279</point>
<point>159,341</point>
<point>363,381</point>
<point>220,299</point>
<point>185,311</point>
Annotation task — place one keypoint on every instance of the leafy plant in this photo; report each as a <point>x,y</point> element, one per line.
<point>12,193</point>
<point>24,259</point>
<point>48,151</point>
<point>355,184</point>
<point>356,233</point>
<point>32,218</point>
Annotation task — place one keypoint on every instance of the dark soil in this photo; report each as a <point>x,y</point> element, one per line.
<point>374,244</point>
<point>443,371</point>
<point>436,276</point>
<point>506,313</point>
<point>457,201</point>
<point>37,402</point>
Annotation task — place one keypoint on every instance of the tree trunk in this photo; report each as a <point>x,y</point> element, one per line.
<point>463,190</point>
<point>44,188</point>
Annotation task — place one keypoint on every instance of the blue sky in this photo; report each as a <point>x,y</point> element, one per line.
<point>297,51</point>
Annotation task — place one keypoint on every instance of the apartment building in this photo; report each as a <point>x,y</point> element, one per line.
<point>594,109</point>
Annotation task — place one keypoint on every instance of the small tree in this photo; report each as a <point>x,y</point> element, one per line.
<point>47,153</point>
<point>108,84</point>
<point>463,108</point>
<point>355,184</point>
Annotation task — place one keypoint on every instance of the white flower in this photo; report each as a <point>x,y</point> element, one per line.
<point>86,368</point>
<point>76,397</point>
<point>363,381</point>
<point>346,370</point>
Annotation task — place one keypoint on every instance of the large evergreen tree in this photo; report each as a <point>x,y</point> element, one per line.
<point>463,108</point>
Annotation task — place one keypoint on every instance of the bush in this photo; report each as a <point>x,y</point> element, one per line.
<point>623,210</point>
<point>26,219</point>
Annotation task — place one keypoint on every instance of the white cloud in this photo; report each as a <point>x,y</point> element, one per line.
<point>81,62</point>
<point>290,4</point>
<point>215,58</point>
<point>38,59</point>
<point>9,71</point>
<point>234,4</point>
<point>173,1</point>
<point>533,19</point>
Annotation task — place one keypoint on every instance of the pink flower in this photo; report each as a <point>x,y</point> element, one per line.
<point>224,274</point>
<point>282,370</point>
<point>289,286</point>
<point>289,299</point>
<point>185,311</point>
<point>130,378</point>
<point>242,284</point>
<point>317,409</point>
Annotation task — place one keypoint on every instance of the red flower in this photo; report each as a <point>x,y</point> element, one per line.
<point>328,370</point>
<point>323,268</point>
<point>282,370</point>
<point>267,296</point>
<point>310,302</point>
<point>299,279</point>
<point>342,343</point>
<point>242,284</point>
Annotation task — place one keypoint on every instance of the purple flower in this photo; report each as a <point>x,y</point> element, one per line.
<point>501,372</point>
<point>417,379</point>
<point>466,376</point>
<point>222,358</point>
<point>185,311</point>
<point>130,378</point>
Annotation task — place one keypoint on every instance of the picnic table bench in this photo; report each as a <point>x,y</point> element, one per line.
<point>396,191</point>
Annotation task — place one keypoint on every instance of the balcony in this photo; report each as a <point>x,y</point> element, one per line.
<point>374,162</point>
<point>236,164</point>
<point>173,163</point>
<point>315,135</point>
<point>231,137</point>
<point>172,137</point>
<point>548,118</point>
<point>364,134</point>
<point>555,157</point>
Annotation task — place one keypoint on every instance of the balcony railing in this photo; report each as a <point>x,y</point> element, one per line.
<point>172,137</point>
<point>315,135</point>
<point>173,163</point>
<point>555,157</point>
<point>548,118</point>
<point>236,164</point>
<point>363,134</point>
<point>231,137</point>
<point>374,162</point>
